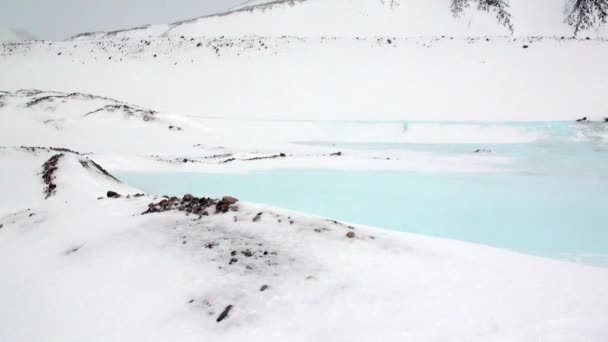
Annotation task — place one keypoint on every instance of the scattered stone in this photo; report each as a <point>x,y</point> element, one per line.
<point>257,217</point>
<point>229,199</point>
<point>233,253</point>
<point>248,253</point>
<point>210,245</point>
<point>233,261</point>
<point>224,313</point>
<point>223,206</point>
<point>113,194</point>
<point>350,235</point>
<point>264,288</point>
<point>482,150</point>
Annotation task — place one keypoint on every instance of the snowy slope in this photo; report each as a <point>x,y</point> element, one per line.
<point>127,137</point>
<point>488,79</point>
<point>84,269</point>
<point>369,18</point>
<point>8,35</point>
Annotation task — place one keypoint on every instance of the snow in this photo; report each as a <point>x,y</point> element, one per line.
<point>96,270</point>
<point>341,79</point>
<point>262,88</point>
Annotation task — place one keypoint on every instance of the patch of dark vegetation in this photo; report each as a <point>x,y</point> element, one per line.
<point>280,155</point>
<point>33,149</point>
<point>101,169</point>
<point>274,156</point>
<point>129,111</point>
<point>48,175</point>
<point>52,98</point>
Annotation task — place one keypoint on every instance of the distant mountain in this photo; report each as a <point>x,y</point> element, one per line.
<point>398,18</point>
<point>14,35</point>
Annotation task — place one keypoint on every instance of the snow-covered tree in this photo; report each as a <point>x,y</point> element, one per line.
<point>586,14</point>
<point>499,7</point>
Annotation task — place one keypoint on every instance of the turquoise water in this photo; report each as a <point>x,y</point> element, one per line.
<point>556,207</point>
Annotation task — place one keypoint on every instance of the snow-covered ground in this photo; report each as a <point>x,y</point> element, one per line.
<point>285,85</point>
<point>373,78</point>
<point>77,268</point>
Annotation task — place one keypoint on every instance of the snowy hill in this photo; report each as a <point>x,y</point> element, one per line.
<point>368,18</point>
<point>8,35</point>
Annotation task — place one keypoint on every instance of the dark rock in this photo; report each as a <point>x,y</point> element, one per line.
<point>112,194</point>
<point>1,225</point>
<point>224,313</point>
<point>187,198</point>
<point>282,155</point>
<point>336,154</point>
<point>248,253</point>
<point>583,119</point>
<point>229,200</point>
<point>264,288</point>
<point>525,46</point>
<point>233,253</point>
<point>257,217</point>
<point>350,235</point>
<point>233,261</point>
<point>191,301</point>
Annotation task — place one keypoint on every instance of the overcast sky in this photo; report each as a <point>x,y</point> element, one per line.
<point>59,19</point>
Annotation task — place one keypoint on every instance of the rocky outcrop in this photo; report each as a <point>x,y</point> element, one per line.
<point>48,175</point>
<point>193,205</point>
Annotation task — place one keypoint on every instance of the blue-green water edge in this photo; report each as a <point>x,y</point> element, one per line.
<point>556,205</point>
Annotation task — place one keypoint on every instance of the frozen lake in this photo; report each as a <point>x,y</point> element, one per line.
<point>551,200</point>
